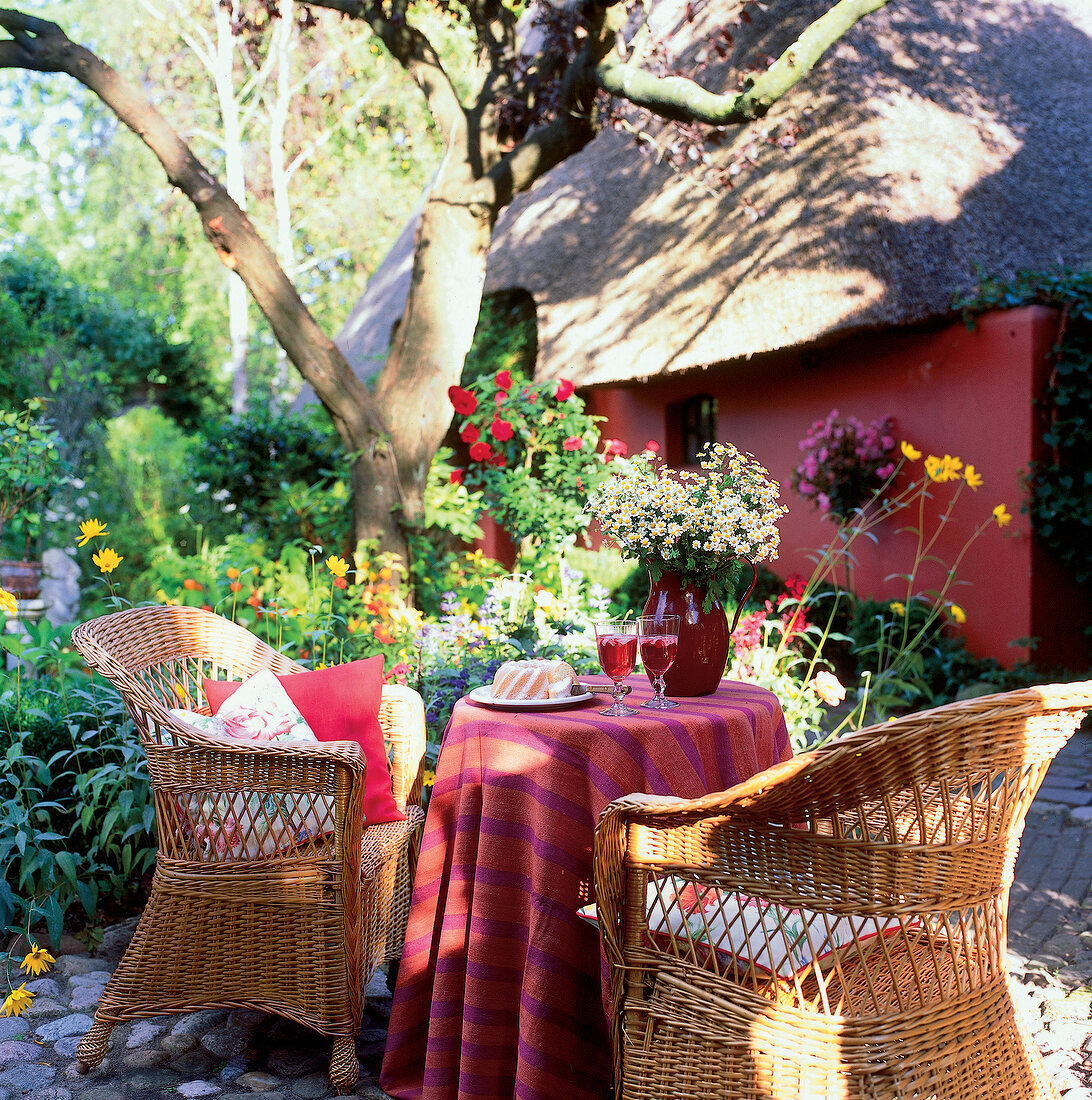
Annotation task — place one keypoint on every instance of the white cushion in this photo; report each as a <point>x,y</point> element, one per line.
<point>776,939</point>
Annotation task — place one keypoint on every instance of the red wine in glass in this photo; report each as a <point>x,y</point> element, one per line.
<point>617,655</point>
<point>659,647</point>
<point>616,644</point>
<point>658,653</point>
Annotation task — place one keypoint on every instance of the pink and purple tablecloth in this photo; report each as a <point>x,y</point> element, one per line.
<point>499,992</point>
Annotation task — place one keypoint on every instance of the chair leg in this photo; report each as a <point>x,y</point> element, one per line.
<point>92,1047</point>
<point>344,1068</point>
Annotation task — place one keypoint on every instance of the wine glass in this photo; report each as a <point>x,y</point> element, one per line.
<point>659,646</point>
<point>616,644</point>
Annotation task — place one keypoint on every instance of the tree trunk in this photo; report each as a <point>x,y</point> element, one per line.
<point>222,66</point>
<point>437,329</point>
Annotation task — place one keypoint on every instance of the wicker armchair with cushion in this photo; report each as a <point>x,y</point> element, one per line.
<point>834,927</point>
<point>270,890</point>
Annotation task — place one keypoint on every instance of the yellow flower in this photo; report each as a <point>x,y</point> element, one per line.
<point>17,1001</point>
<point>8,603</point>
<point>338,566</point>
<point>428,777</point>
<point>943,469</point>
<point>1002,517</point>
<point>232,573</point>
<point>107,559</point>
<point>898,608</point>
<point>957,613</point>
<point>910,451</point>
<point>38,961</point>
<point>972,477</point>
<point>89,529</point>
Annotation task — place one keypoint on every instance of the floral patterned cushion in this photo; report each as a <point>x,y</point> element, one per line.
<point>260,710</point>
<point>776,939</point>
<point>206,723</point>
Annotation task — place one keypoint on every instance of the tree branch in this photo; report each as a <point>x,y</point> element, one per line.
<point>683,100</point>
<point>413,51</point>
<point>41,46</point>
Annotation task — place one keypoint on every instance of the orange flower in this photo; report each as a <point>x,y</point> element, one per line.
<point>192,585</point>
<point>232,573</point>
<point>235,586</point>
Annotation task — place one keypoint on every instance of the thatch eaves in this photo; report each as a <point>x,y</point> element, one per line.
<point>938,138</point>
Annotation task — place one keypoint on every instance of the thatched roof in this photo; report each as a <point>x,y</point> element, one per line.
<point>939,135</point>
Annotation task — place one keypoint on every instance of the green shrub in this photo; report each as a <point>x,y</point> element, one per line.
<point>244,467</point>
<point>76,811</point>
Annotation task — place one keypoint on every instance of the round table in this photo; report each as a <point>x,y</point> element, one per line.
<point>500,991</point>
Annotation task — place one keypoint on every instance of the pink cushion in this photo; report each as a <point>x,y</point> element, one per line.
<point>340,703</point>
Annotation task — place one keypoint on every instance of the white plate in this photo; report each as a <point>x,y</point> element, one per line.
<point>484,695</point>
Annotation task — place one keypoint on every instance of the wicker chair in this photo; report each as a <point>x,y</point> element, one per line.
<point>877,869</point>
<point>296,931</point>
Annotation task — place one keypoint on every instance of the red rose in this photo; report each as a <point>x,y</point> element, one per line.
<point>456,475</point>
<point>463,400</point>
<point>470,434</point>
<point>615,447</point>
<point>340,582</point>
<point>652,446</point>
<point>500,429</point>
<point>500,397</point>
<point>497,459</point>
<point>573,443</point>
<point>504,380</point>
<point>480,452</point>
<point>564,390</point>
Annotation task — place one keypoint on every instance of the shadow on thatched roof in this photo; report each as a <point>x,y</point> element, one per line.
<point>936,137</point>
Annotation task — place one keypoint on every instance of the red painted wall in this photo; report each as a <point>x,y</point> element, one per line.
<point>951,390</point>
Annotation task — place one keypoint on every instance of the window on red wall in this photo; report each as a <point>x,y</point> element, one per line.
<point>691,424</point>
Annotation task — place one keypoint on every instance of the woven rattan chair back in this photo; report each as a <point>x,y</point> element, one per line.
<point>834,927</point>
<point>269,892</point>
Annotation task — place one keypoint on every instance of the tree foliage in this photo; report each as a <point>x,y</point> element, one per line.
<point>86,352</point>
<point>531,88</point>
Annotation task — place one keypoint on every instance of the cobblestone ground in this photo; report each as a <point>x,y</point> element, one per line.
<point>244,1054</point>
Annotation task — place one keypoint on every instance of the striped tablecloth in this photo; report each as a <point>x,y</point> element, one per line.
<point>500,988</point>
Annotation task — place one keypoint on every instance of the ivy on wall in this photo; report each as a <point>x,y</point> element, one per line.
<point>1059,488</point>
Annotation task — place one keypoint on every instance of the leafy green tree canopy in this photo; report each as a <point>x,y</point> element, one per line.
<point>91,356</point>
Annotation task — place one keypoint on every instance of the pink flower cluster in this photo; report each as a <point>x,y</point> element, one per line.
<point>845,462</point>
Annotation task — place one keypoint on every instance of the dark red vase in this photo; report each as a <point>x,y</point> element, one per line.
<point>703,635</point>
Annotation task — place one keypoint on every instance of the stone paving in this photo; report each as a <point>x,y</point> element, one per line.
<point>243,1055</point>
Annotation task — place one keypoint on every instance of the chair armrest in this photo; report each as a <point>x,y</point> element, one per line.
<point>402,719</point>
<point>314,786</point>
